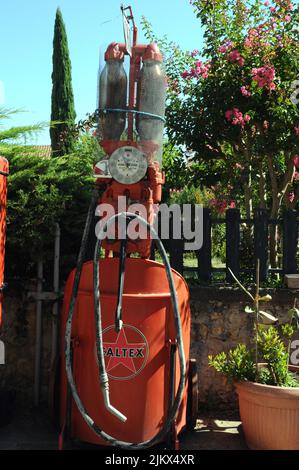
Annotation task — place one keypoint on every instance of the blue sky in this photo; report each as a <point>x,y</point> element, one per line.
<point>26,35</point>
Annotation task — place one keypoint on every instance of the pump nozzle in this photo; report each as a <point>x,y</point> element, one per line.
<point>109,407</point>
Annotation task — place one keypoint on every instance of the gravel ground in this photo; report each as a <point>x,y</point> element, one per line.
<point>33,430</point>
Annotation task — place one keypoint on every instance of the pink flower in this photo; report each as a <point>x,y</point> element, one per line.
<point>201,70</point>
<point>235,116</point>
<point>228,114</point>
<point>222,49</point>
<point>290,7</point>
<point>296,175</point>
<point>296,161</point>
<point>264,76</point>
<point>194,53</point>
<point>232,205</point>
<point>287,19</point>
<point>248,42</point>
<point>296,128</point>
<point>234,55</point>
<point>273,10</point>
<point>266,125</point>
<point>219,205</point>
<point>291,197</point>
<point>245,90</point>
<point>267,3</point>
<point>225,46</point>
<point>253,32</point>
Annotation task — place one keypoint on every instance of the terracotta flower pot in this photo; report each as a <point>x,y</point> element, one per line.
<point>270,415</point>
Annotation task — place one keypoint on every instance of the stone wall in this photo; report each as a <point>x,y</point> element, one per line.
<point>18,335</point>
<point>218,323</point>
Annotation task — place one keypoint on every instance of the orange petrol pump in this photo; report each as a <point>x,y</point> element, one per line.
<point>126,376</point>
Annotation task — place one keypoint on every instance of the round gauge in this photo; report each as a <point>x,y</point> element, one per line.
<point>127,165</point>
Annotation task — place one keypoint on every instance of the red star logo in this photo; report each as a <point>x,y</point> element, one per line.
<point>122,352</point>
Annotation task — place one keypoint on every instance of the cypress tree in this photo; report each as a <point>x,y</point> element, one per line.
<point>62,109</point>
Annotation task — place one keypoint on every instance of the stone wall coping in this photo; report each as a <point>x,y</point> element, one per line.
<point>235,294</point>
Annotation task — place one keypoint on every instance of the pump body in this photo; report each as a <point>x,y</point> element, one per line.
<point>138,359</point>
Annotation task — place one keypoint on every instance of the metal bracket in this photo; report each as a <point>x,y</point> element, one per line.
<point>44,295</point>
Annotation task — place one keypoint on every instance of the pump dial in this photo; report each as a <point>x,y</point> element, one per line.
<point>128,165</point>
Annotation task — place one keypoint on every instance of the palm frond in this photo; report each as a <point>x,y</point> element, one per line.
<point>21,132</point>
<point>6,113</point>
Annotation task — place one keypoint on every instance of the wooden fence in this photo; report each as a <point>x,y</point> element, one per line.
<point>288,229</point>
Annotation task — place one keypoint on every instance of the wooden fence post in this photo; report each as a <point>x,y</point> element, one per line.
<point>232,243</point>
<point>205,253</point>
<point>261,241</point>
<point>176,249</point>
<point>290,240</point>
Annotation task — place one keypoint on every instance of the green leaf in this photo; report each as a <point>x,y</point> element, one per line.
<point>268,316</point>
<point>265,298</point>
<point>248,309</point>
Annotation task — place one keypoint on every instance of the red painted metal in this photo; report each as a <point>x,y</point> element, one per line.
<point>138,358</point>
<point>149,190</point>
<point>4,169</point>
<point>144,396</point>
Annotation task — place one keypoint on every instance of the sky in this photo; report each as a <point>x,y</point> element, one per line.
<point>26,37</point>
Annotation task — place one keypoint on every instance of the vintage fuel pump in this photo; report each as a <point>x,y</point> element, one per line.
<point>126,377</point>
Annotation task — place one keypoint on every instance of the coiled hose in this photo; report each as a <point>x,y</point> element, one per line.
<point>99,340</point>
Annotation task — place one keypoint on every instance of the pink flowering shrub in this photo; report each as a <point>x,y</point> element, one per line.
<point>296,161</point>
<point>264,77</point>
<point>200,70</point>
<point>236,117</point>
<point>245,90</point>
<point>234,106</point>
<point>235,56</point>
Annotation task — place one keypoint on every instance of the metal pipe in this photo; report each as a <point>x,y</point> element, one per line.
<point>38,333</point>
<point>99,340</point>
<point>56,291</point>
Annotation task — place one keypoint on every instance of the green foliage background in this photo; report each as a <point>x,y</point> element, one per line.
<point>43,191</point>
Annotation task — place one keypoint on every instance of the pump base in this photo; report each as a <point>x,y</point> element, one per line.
<point>137,358</point>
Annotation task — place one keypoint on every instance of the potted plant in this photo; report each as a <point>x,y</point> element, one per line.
<point>266,384</point>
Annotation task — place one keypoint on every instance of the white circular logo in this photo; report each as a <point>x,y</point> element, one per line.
<point>126,352</point>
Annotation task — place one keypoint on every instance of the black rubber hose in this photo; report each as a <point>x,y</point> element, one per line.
<point>99,343</point>
<point>80,261</point>
<point>121,283</point>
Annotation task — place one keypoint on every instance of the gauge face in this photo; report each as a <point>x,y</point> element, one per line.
<point>128,165</point>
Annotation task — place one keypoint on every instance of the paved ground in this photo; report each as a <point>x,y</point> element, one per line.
<point>215,434</point>
<point>32,430</point>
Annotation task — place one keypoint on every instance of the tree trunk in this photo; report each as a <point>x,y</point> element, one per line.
<point>273,230</point>
<point>262,188</point>
<point>277,201</point>
<point>248,195</point>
